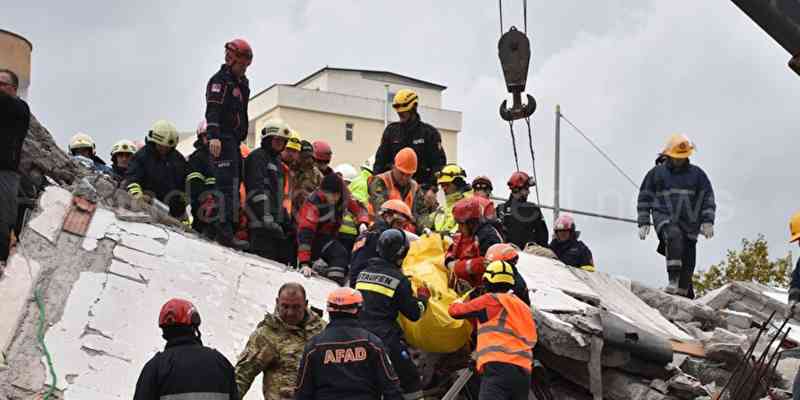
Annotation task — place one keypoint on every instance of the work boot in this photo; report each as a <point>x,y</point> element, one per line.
<point>674,279</point>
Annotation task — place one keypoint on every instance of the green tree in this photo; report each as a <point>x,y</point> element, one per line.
<point>750,264</point>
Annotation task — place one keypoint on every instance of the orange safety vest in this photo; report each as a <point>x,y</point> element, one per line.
<point>394,192</point>
<point>509,337</point>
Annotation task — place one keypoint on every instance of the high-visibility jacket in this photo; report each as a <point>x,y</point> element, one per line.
<point>442,218</point>
<point>359,186</point>
<point>506,330</point>
<point>392,192</point>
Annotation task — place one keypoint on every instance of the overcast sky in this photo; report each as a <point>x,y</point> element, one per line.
<point>628,73</point>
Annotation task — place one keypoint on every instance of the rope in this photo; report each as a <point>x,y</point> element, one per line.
<point>500,7</point>
<point>513,143</point>
<point>533,159</point>
<point>599,150</point>
<point>525,14</point>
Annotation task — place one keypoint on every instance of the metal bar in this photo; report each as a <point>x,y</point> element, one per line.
<point>557,169</point>
<point>746,357</point>
<point>763,356</point>
<point>765,368</point>
<point>578,212</point>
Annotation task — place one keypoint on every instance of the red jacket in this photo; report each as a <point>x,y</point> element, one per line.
<point>317,217</point>
<point>467,252</point>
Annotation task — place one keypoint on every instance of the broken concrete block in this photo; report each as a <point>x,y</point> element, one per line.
<point>16,288</point>
<point>728,353</point>
<point>54,204</point>
<point>554,300</point>
<point>735,319</point>
<point>686,387</point>
<point>659,385</point>
<point>674,308</point>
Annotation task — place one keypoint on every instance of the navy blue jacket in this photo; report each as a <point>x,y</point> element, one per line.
<point>794,287</point>
<point>681,195</point>
<point>365,248</point>
<point>226,105</point>
<point>15,118</point>
<point>572,252</point>
<point>264,180</point>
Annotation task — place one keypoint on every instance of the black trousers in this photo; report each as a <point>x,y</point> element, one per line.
<point>501,381</point>
<point>406,370</point>
<point>681,255</point>
<point>9,190</point>
<point>331,250</point>
<point>226,172</point>
<point>267,245</point>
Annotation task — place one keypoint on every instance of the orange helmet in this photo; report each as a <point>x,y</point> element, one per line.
<point>397,206</point>
<point>345,300</point>
<point>467,209</point>
<point>520,180</point>
<point>406,161</point>
<point>502,252</point>
<point>178,312</point>
<point>244,150</point>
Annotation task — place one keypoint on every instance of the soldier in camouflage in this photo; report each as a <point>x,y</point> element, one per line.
<point>306,178</point>
<point>276,346</point>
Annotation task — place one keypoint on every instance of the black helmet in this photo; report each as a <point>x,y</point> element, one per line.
<point>393,245</point>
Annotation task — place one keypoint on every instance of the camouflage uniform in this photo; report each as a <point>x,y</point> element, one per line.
<point>275,349</point>
<point>305,181</point>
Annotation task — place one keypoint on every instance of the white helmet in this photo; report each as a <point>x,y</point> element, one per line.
<point>163,133</point>
<point>276,127</point>
<point>347,171</point>
<point>123,146</point>
<point>81,141</point>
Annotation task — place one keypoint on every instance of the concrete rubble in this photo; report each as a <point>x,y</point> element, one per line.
<point>599,336</point>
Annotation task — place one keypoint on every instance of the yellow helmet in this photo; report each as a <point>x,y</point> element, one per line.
<point>449,173</point>
<point>294,141</point>
<point>499,272</point>
<point>404,100</point>
<point>123,146</point>
<point>678,146</point>
<point>163,133</point>
<point>81,141</point>
<point>794,227</point>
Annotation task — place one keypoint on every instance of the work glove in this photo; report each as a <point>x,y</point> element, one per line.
<point>644,230</point>
<point>305,269</point>
<point>362,228</point>
<point>423,294</point>
<point>215,147</point>
<point>707,229</point>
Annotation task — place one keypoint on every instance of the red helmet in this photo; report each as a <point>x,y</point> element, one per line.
<point>502,252</point>
<point>345,299</point>
<point>521,180</point>
<point>178,312</point>
<point>322,150</point>
<point>467,209</point>
<point>238,50</point>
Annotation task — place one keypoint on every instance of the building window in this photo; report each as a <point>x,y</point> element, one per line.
<point>348,132</point>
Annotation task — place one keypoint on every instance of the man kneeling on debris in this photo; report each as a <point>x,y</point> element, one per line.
<point>567,247</point>
<point>387,292</point>
<point>185,369</point>
<point>276,346</point>
<point>679,196</point>
<point>158,171</point>
<point>393,214</point>
<point>506,335</point>
<point>346,361</point>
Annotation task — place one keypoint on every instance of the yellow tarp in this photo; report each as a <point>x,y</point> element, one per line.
<point>435,332</point>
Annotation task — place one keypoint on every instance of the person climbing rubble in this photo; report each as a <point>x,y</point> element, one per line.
<point>121,154</point>
<point>680,198</point>
<point>186,368</point>
<point>398,184</point>
<point>482,186</point>
<point>411,132</point>
<point>83,150</point>
<point>394,214</point>
<point>346,361</point>
<point>453,181</point>
<point>522,220</point>
<point>266,183</point>
<point>307,177</point>
<point>387,293</point>
<point>349,230</point>
<point>276,346</point>
<point>318,226</point>
<point>476,233</point>
<point>200,183</point>
<point>506,335</point>
<point>567,247</point>
<point>16,117</point>
<point>322,157</point>
<point>227,94</point>
<point>158,171</point>
<point>508,253</point>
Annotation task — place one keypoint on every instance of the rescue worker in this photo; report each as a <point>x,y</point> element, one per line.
<point>476,233</point>
<point>794,288</point>
<point>398,184</point>
<point>346,361</point>
<point>567,247</point>
<point>307,177</point>
<point>508,253</point>
<point>482,186</point>
<point>227,94</point>
<point>388,292</point>
<point>291,154</point>
<point>522,220</point>
<point>679,196</point>
<point>452,180</point>
<point>318,226</point>
<point>15,119</point>
<point>121,154</point>
<point>200,182</point>
<point>322,157</point>
<point>411,132</point>
<point>276,346</point>
<point>159,171</point>
<point>186,368</point>
<point>349,231</point>
<point>506,335</point>
<point>265,182</point>
<point>83,148</point>
<point>359,187</point>
<point>394,214</point>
